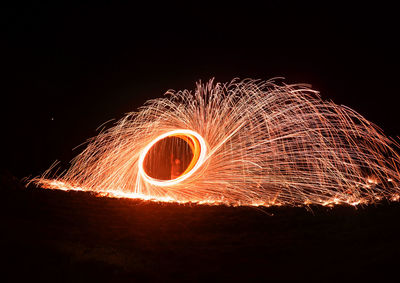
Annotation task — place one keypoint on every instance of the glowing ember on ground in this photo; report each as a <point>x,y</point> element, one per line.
<point>242,143</point>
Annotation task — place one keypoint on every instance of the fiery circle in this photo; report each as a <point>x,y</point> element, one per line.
<point>197,145</point>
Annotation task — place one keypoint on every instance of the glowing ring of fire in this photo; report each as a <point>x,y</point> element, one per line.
<point>197,145</point>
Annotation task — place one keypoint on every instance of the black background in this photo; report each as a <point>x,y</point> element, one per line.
<point>69,68</point>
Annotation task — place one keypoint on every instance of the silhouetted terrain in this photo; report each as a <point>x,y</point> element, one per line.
<point>75,236</point>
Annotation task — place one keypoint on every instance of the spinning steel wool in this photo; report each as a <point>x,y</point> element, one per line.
<point>240,143</point>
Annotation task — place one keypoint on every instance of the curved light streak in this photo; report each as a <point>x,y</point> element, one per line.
<point>196,143</point>
<point>253,142</point>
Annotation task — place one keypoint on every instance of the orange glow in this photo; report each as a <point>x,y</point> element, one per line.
<point>252,143</point>
<point>199,149</point>
<point>59,185</point>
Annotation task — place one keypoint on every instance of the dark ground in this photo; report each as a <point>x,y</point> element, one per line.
<point>74,236</point>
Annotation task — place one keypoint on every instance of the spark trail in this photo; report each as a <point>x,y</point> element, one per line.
<point>246,142</point>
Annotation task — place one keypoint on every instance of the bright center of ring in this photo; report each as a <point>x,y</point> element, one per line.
<point>172,157</point>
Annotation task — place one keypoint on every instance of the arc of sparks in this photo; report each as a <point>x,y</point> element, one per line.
<point>253,142</point>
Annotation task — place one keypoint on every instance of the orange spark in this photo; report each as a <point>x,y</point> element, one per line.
<point>242,143</point>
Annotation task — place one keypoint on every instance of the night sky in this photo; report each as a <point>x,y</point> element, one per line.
<point>70,68</point>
